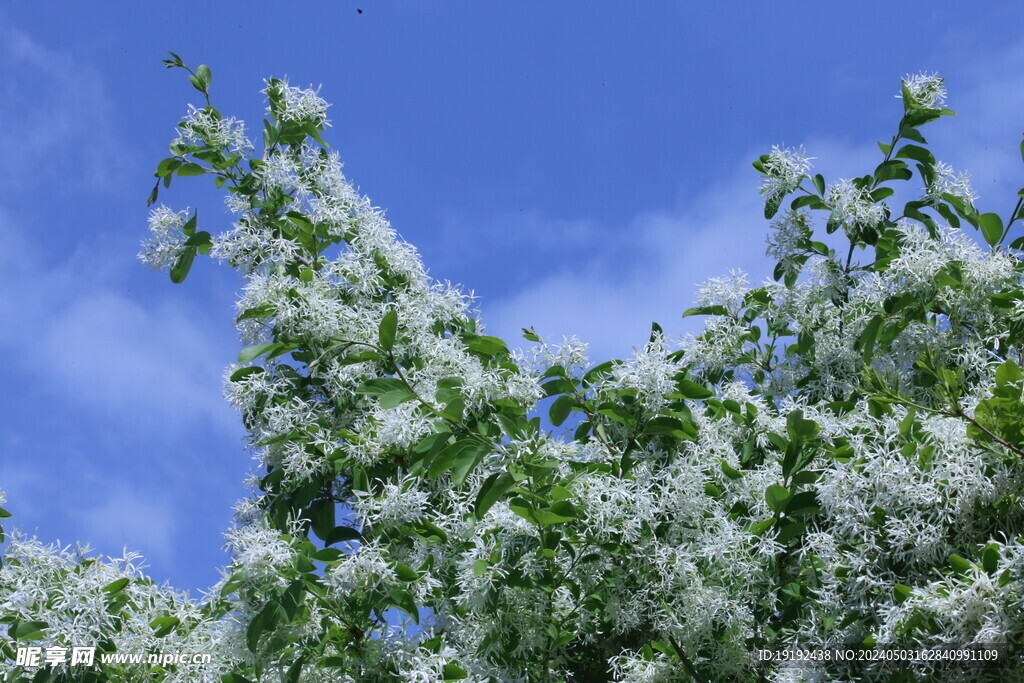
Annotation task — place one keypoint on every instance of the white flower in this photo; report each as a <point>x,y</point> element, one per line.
<point>260,551</point>
<point>201,127</point>
<point>160,251</point>
<point>650,373</point>
<point>927,90</point>
<point>784,169</point>
<point>788,232</point>
<point>399,501</point>
<point>298,104</point>
<point>727,292</point>
<point>850,204</point>
<point>946,182</point>
<point>363,569</point>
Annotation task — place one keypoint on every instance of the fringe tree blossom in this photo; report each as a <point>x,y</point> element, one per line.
<point>296,104</point>
<point>849,203</point>
<point>947,181</point>
<point>203,126</point>
<point>784,168</point>
<point>165,238</point>
<point>927,90</point>
<point>835,460</point>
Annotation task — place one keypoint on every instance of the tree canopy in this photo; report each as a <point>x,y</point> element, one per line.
<point>832,466</point>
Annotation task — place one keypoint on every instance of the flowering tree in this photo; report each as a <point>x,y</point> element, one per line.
<point>835,460</point>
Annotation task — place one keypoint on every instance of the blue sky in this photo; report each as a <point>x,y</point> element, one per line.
<point>580,165</point>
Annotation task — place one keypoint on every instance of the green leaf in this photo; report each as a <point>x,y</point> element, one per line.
<point>327,554</point>
<point>454,409</point>
<point>560,409</point>
<point>204,76</point>
<point>242,373</point>
<point>151,200</point>
<point>892,170</point>
<point>777,497</point>
<point>162,626</point>
<point>800,429</point>
<point>990,558</point>
<point>403,600</point>
<point>396,397</point>
<point>342,533</point>
<point>959,564</point>
<point>705,310</point>
<point>388,330</point>
<point>558,386</point>
<point>901,593</point>
<point>771,206</point>
<point>1008,374</point>
<point>250,353</point>
<point>557,513</point>
<point>257,312</point>
<point>803,503</point>
<point>167,167</point>
<point>27,630</point>
<point>730,471</point>
<point>530,335</point>
<point>453,672</point>
<point>190,225</point>
<point>487,346</point>
<point>199,240</point>
<point>190,169</point>
<point>233,582</point>
<point>466,461</point>
<point>183,264</point>
<point>381,385</point>
<point>360,480</point>
<point>430,531</point>
<point>448,456</point>
<point>694,391</point>
<point>265,621</point>
<point>491,491</point>
<point>405,573</point>
<point>819,184</point>
<point>991,228</point>
<point>917,154</point>
<point>116,586</point>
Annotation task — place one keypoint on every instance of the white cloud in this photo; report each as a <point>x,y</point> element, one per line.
<point>140,521</point>
<point>62,117</point>
<point>94,347</point>
<point>610,302</point>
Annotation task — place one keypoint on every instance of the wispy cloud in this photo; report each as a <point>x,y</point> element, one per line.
<point>100,350</point>
<point>137,520</point>
<point>61,114</point>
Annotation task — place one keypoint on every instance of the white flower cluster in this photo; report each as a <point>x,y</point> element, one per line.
<point>947,181</point>
<point>927,90</point>
<point>649,373</point>
<point>850,204</point>
<point>202,127</point>
<point>788,235</point>
<point>299,104</point>
<point>84,601</point>
<point>784,169</point>
<point>160,251</point>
